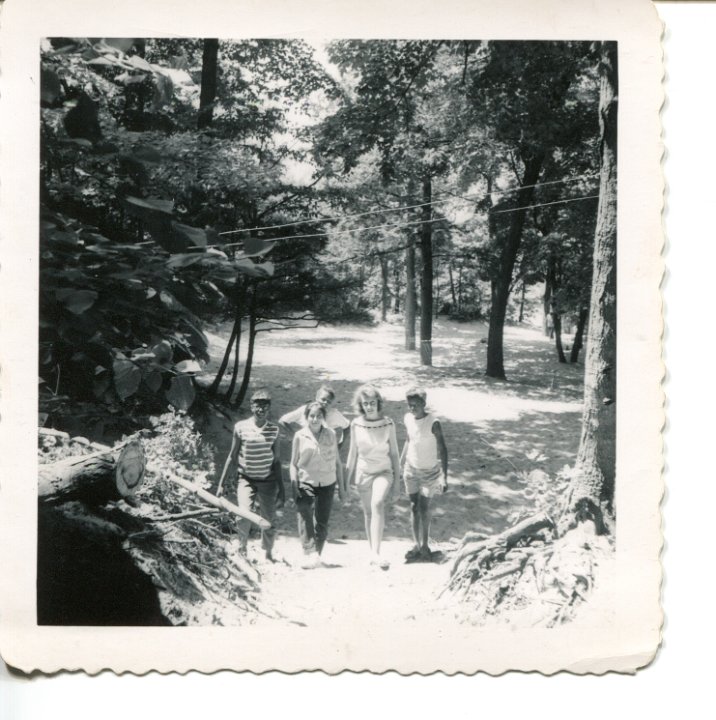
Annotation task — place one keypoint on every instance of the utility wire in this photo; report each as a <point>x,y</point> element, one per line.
<point>333,233</point>
<point>406,207</point>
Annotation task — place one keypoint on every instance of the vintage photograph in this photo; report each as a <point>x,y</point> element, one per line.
<point>327,332</point>
<point>331,341</point>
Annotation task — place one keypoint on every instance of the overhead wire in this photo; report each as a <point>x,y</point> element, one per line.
<point>407,207</point>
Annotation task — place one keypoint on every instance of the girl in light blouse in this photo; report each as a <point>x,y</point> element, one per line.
<point>315,470</point>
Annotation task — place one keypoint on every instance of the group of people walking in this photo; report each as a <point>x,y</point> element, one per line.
<point>373,467</point>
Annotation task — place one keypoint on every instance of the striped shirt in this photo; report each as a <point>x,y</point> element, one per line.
<point>256,448</point>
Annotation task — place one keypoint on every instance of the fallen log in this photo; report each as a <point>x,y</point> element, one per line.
<point>103,475</point>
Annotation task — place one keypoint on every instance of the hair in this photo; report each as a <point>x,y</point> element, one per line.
<point>314,405</point>
<point>261,394</point>
<point>366,391</point>
<point>416,392</point>
<point>327,389</point>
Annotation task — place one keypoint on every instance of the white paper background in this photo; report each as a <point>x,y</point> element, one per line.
<point>678,682</point>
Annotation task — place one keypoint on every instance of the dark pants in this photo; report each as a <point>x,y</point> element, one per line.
<point>314,508</point>
<point>248,491</point>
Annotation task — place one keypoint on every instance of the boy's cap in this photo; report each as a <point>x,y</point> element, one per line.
<point>261,395</point>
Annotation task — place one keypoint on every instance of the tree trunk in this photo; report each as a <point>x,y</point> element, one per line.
<point>409,313</point>
<point>214,388</point>
<point>547,305</point>
<point>384,290</point>
<point>459,289</point>
<point>235,369</point>
<point>250,350</point>
<point>239,296</point>
<point>505,263</point>
<point>108,474</point>
<point>593,483</point>
<point>426,283</point>
<point>521,317</point>
<point>453,294</point>
<point>557,324</point>
<point>208,82</point>
<point>579,335</point>
<point>396,286</point>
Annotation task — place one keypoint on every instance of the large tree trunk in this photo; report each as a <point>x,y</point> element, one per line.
<point>208,82</point>
<point>107,474</point>
<point>593,483</point>
<point>579,335</point>
<point>505,263</point>
<point>426,282</point>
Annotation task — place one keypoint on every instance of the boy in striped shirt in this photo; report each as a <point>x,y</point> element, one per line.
<point>254,452</point>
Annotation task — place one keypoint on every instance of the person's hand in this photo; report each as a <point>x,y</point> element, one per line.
<point>280,495</point>
<point>294,489</point>
<point>443,484</point>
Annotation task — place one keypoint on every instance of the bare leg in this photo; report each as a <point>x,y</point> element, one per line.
<point>365,504</point>
<point>381,488</point>
<point>425,514</point>
<point>415,519</point>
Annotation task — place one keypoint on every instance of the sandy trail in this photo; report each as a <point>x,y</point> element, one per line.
<point>494,431</point>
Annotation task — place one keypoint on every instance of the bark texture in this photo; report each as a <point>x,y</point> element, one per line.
<point>594,481</point>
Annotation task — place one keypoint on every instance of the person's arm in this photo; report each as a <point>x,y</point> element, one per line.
<point>291,421</point>
<point>394,459</point>
<point>232,458</point>
<point>339,474</point>
<point>277,472</point>
<point>352,458</point>
<point>404,454</point>
<point>443,453</point>
<point>293,467</point>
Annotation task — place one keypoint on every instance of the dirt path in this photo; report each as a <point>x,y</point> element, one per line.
<point>494,432</point>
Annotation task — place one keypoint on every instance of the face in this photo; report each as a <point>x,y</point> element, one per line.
<point>325,399</point>
<point>416,406</point>
<point>370,406</point>
<point>314,419</point>
<point>260,410</point>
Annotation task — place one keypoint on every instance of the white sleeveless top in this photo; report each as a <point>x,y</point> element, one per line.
<point>423,448</point>
<point>372,439</point>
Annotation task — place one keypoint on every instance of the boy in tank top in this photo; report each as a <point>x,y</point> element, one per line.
<point>425,462</point>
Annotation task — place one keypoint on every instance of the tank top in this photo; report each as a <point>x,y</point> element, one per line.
<point>373,444</point>
<point>423,448</point>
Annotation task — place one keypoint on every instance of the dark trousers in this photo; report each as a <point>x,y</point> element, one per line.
<point>247,493</point>
<point>314,508</point>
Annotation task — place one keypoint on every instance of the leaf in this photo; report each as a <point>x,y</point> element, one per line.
<point>181,260</point>
<point>139,63</point>
<point>77,301</point>
<point>188,236</point>
<point>127,377</point>
<point>50,86</point>
<point>124,45</point>
<point>188,366</point>
<point>101,382</point>
<point>103,60</point>
<point>248,267</point>
<point>256,246</point>
<point>153,380</point>
<point>147,207</point>
<point>181,392</point>
<point>163,351</point>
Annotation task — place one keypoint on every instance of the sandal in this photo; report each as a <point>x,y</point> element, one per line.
<point>412,554</point>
